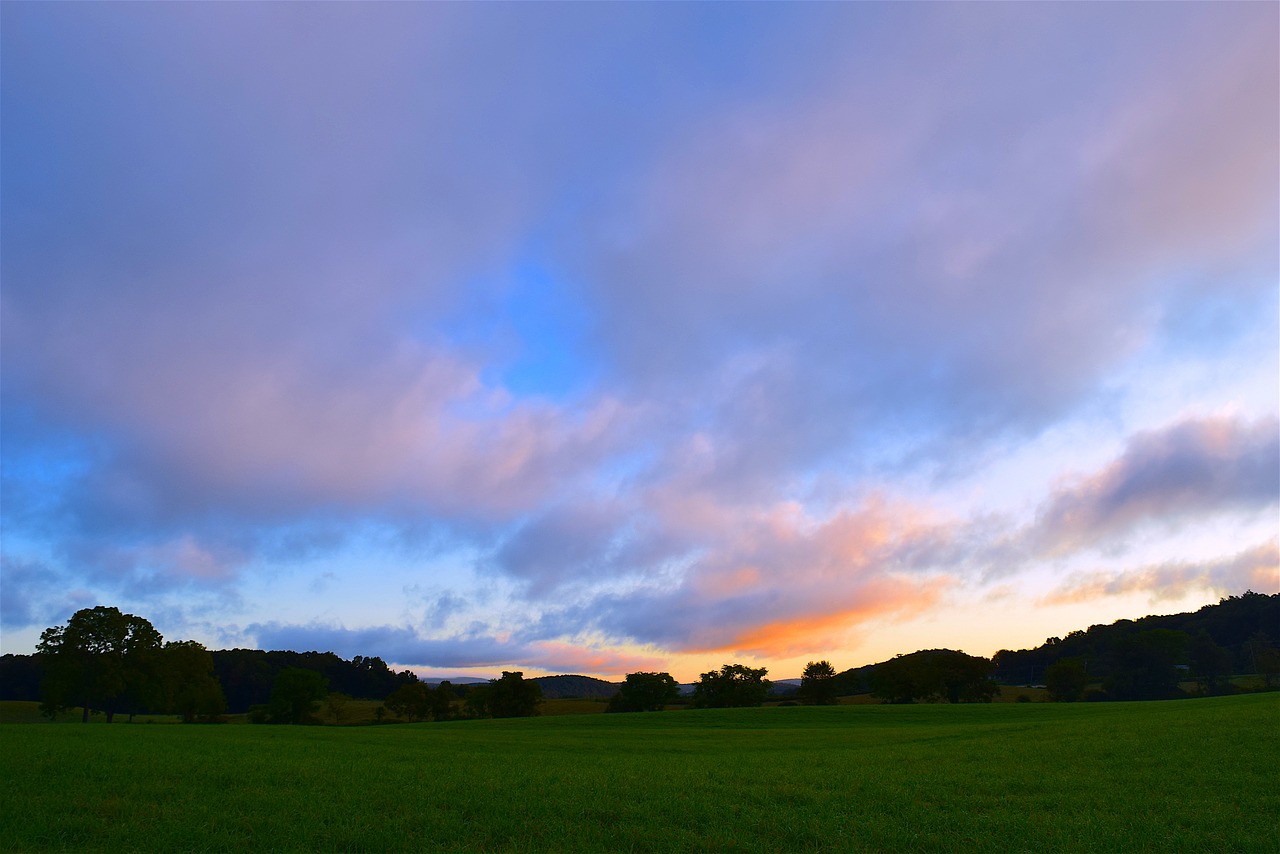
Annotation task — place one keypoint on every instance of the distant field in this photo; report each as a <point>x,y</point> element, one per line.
<point>1190,775</point>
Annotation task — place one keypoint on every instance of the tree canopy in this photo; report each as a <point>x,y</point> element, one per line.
<point>414,700</point>
<point>645,692</point>
<point>188,685</point>
<point>818,684</point>
<point>99,660</point>
<point>512,696</point>
<point>732,686</point>
<point>941,674</point>
<point>295,696</point>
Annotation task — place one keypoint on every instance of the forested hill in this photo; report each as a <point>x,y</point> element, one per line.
<point>585,687</point>
<point>1235,630</point>
<point>1237,624</point>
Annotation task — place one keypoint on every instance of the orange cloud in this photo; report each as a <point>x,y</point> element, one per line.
<point>564,657</point>
<point>822,630</point>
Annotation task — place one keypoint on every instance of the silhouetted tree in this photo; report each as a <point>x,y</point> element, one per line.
<point>98,658</point>
<point>189,687</point>
<point>732,686</point>
<point>475,700</point>
<point>644,692</point>
<point>442,701</point>
<point>513,696</point>
<point>411,701</point>
<point>818,683</point>
<point>295,695</point>
<point>1265,658</point>
<point>1210,663</point>
<point>1066,680</point>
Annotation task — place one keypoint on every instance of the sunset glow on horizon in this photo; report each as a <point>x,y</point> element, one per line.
<point>596,338</point>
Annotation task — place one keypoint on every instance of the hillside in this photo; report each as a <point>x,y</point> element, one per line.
<point>575,687</point>
<point>1233,624</point>
<point>1239,625</point>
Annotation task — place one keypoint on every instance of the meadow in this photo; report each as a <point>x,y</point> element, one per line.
<point>1190,775</point>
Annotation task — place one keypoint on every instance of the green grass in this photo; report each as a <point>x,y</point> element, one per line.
<point>28,712</point>
<point>1191,775</point>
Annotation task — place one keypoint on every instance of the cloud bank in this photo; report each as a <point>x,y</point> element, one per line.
<point>633,332</point>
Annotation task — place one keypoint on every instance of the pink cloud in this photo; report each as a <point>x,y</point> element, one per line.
<point>275,423</point>
<point>830,625</point>
<point>1256,569</point>
<point>778,581</point>
<point>561,657</point>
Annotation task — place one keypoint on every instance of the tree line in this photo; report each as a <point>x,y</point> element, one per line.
<point>105,661</point>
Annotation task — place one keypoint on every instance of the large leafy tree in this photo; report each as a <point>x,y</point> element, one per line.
<point>442,701</point>
<point>732,686</point>
<point>645,692</point>
<point>99,660</point>
<point>818,683</point>
<point>295,695</point>
<point>188,683</point>
<point>513,696</point>
<point>411,701</point>
<point>1066,680</point>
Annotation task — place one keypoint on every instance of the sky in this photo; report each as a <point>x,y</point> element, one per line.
<point>597,338</point>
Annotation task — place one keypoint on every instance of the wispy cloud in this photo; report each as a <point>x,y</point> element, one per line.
<point>478,648</point>
<point>1255,569</point>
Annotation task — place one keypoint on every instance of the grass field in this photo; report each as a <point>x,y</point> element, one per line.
<point>1190,775</point>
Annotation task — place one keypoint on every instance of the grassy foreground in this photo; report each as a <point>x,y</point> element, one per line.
<point>1191,775</point>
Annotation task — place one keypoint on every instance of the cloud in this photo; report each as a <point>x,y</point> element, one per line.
<point>399,644</point>
<point>806,277</point>
<point>561,657</point>
<point>261,293</point>
<point>1255,569</point>
<point>1193,468</point>
<point>775,580</point>
<point>405,646</point>
<point>38,593</point>
<point>786,578</point>
<point>564,543</point>
<point>21,582</point>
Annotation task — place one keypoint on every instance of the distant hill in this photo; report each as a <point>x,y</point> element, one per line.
<point>575,687</point>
